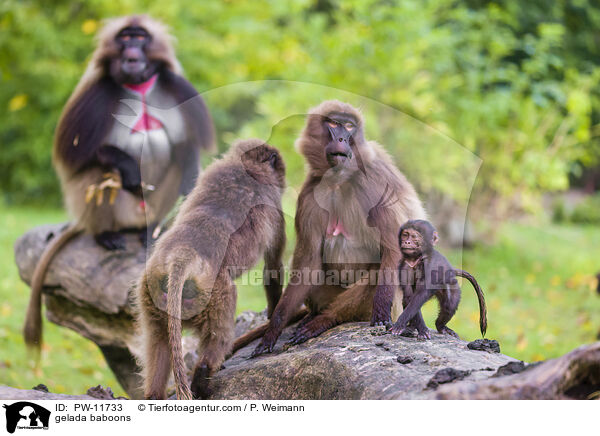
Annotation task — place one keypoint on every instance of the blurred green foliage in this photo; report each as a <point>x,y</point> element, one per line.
<point>586,211</point>
<point>516,84</point>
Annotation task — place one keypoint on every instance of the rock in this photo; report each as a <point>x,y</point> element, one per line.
<point>575,375</point>
<point>8,393</point>
<point>41,388</point>
<point>510,368</point>
<point>447,375</point>
<point>349,362</point>
<point>249,320</point>
<point>102,393</point>
<point>90,290</point>
<point>491,346</point>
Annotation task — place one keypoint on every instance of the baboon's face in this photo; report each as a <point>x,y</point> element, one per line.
<point>131,65</point>
<point>417,238</point>
<point>340,142</point>
<point>411,242</point>
<point>265,164</point>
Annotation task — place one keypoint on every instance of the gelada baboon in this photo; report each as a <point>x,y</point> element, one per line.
<point>132,121</point>
<point>349,210</point>
<point>231,218</point>
<point>424,273</point>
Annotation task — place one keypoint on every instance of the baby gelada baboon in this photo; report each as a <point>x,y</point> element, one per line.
<point>425,273</point>
<point>231,218</point>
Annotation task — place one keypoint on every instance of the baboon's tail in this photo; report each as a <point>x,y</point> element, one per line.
<point>32,330</point>
<point>176,279</point>
<point>259,331</point>
<point>480,298</point>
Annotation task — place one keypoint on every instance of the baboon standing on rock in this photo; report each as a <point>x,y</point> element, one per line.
<point>425,273</point>
<point>231,218</point>
<point>349,211</point>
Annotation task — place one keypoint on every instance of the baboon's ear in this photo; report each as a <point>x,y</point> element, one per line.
<point>435,238</point>
<point>263,154</point>
<point>273,157</point>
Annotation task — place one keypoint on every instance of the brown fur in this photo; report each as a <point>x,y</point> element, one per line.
<point>232,218</point>
<point>69,159</point>
<point>161,48</point>
<point>81,131</point>
<point>32,331</point>
<point>372,198</point>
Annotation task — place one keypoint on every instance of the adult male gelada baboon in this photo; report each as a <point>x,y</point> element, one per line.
<point>133,121</point>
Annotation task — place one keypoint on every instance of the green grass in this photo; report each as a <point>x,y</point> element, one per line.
<point>540,289</point>
<point>539,285</point>
<point>70,363</point>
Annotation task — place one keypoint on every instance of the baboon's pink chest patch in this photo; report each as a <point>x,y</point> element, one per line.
<point>336,227</point>
<point>146,121</point>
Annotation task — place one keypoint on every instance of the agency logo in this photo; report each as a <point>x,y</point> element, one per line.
<point>26,415</point>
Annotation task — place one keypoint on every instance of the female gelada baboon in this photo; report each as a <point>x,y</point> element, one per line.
<point>231,218</point>
<point>349,210</point>
<point>133,121</point>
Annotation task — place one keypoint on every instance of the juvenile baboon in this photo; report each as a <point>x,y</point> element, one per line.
<point>425,273</point>
<point>231,218</point>
<point>134,121</point>
<point>352,203</point>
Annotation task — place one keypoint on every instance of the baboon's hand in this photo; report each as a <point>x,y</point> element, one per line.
<point>381,321</point>
<point>398,328</point>
<point>111,240</point>
<point>266,344</point>
<point>311,329</point>
<point>423,335</point>
<point>381,317</point>
<point>382,306</point>
<point>448,331</point>
<point>262,347</point>
<point>132,182</point>
<point>200,382</point>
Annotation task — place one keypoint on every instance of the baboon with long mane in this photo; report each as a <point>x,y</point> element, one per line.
<point>133,121</point>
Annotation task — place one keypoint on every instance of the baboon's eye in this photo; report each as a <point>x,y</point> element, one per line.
<point>332,124</point>
<point>126,37</point>
<point>349,126</point>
